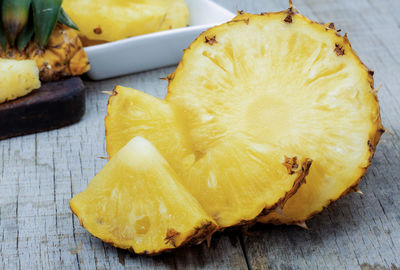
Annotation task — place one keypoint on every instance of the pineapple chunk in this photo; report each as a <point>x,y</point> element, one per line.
<point>136,202</point>
<point>234,182</point>
<point>133,113</point>
<point>17,78</point>
<point>110,20</point>
<point>278,81</point>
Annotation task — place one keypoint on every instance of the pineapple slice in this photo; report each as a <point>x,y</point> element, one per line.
<point>280,85</point>
<point>133,113</point>
<point>17,78</point>
<point>110,20</point>
<point>234,182</point>
<point>135,202</point>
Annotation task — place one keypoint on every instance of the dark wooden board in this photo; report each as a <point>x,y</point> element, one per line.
<point>54,105</point>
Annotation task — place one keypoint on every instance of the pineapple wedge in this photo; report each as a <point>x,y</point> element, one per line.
<point>17,78</point>
<point>136,203</point>
<point>234,182</point>
<point>110,20</point>
<point>133,113</point>
<point>277,81</point>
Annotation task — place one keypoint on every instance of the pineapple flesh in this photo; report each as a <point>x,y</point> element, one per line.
<point>234,182</point>
<point>278,84</point>
<point>108,20</point>
<point>136,202</point>
<point>17,78</point>
<point>133,113</point>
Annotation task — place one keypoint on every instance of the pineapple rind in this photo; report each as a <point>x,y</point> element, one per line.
<point>178,94</point>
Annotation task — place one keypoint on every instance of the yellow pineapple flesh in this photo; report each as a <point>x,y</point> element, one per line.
<point>62,57</point>
<point>136,202</point>
<point>234,182</point>
<point>133,113</point>
<point>108,20</point>
<point>17,78</point>
<point>276,84</point>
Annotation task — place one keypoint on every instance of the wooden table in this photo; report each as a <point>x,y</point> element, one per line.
<point>40,173</point>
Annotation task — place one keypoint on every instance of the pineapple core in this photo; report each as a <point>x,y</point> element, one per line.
<point>136,202</point>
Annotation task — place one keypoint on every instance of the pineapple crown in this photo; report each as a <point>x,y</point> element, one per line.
<point>24,20</point>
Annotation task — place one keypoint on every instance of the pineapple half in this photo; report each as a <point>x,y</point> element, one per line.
<point>233,181</point>
<point>17,78</point>
<point>136,202</point>
<point>277,81</point>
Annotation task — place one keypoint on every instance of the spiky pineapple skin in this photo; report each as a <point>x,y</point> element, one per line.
<point>64,55</point>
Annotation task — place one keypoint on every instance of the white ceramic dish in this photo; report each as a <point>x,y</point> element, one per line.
<point>154,50</point>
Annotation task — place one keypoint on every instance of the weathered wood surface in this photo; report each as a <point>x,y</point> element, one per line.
<point>40,173</point>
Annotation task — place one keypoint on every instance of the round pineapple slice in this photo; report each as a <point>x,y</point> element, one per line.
<point>285,84</point>
<point>133,113</point>
<point>135,202</point>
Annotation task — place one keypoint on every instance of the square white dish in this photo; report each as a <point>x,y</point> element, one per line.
<point>154,50</point>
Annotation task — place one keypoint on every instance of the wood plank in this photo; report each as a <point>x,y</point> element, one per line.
<point>357,232</point>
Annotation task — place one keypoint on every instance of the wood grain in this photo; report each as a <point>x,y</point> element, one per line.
<point>40,173</point>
